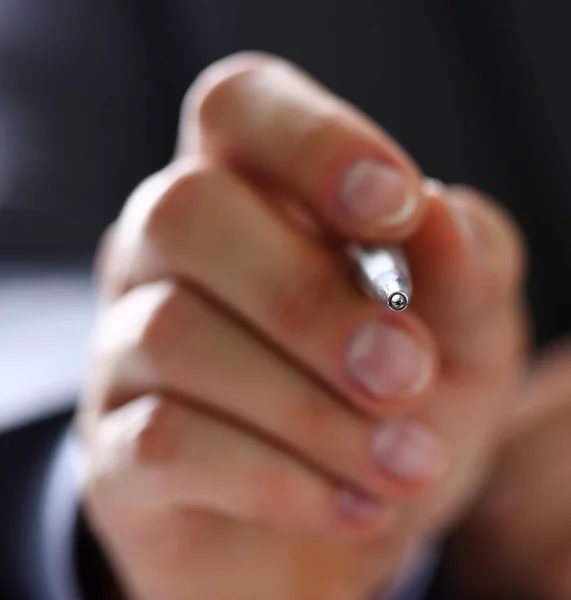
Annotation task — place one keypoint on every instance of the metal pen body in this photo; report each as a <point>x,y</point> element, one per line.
<point>383,274</point>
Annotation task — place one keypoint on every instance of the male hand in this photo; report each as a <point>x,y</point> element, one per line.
<point>255,426</point>
<point>516,543</point>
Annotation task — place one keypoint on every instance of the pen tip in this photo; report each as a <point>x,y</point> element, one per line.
<point>398,301</point>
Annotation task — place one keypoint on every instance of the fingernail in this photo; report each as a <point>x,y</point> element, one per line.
<point>375,192</point>
<point>407,450</point>
<point>360,508</point>
<point>386,360</point>
<point>476,230</point>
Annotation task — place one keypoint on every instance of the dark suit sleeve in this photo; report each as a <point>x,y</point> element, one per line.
<point>27,454</point>
<point>82,119</point>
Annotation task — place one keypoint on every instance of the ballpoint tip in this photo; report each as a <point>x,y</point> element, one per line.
<point>398,301</point>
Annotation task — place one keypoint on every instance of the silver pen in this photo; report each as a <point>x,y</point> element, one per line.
<point>383,274</point>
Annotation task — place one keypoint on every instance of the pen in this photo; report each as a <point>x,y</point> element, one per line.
<point>383,274</point>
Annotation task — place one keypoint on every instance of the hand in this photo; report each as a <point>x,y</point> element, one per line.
<point>516,543</point>
<point>255,427</point>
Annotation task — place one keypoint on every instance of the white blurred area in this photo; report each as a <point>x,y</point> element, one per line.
<point>45,323</point>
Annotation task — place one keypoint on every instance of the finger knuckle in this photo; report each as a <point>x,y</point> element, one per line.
<point>297,302</point>
<point>217,85</point>
<point>171,206</point>
<point>158,331</point>
<point>155,433</point>
<point>132,340</point>
<point>133,452</point>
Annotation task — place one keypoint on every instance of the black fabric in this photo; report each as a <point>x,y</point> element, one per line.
<point>25,454</point>
<point>95,577</point>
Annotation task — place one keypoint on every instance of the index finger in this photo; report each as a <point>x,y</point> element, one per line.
<point>265,117</point>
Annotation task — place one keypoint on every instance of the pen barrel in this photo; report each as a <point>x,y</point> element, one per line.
<point>382,272</point>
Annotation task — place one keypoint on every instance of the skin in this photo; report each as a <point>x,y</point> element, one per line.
<point>226,429</point>
<point>522,517</point>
